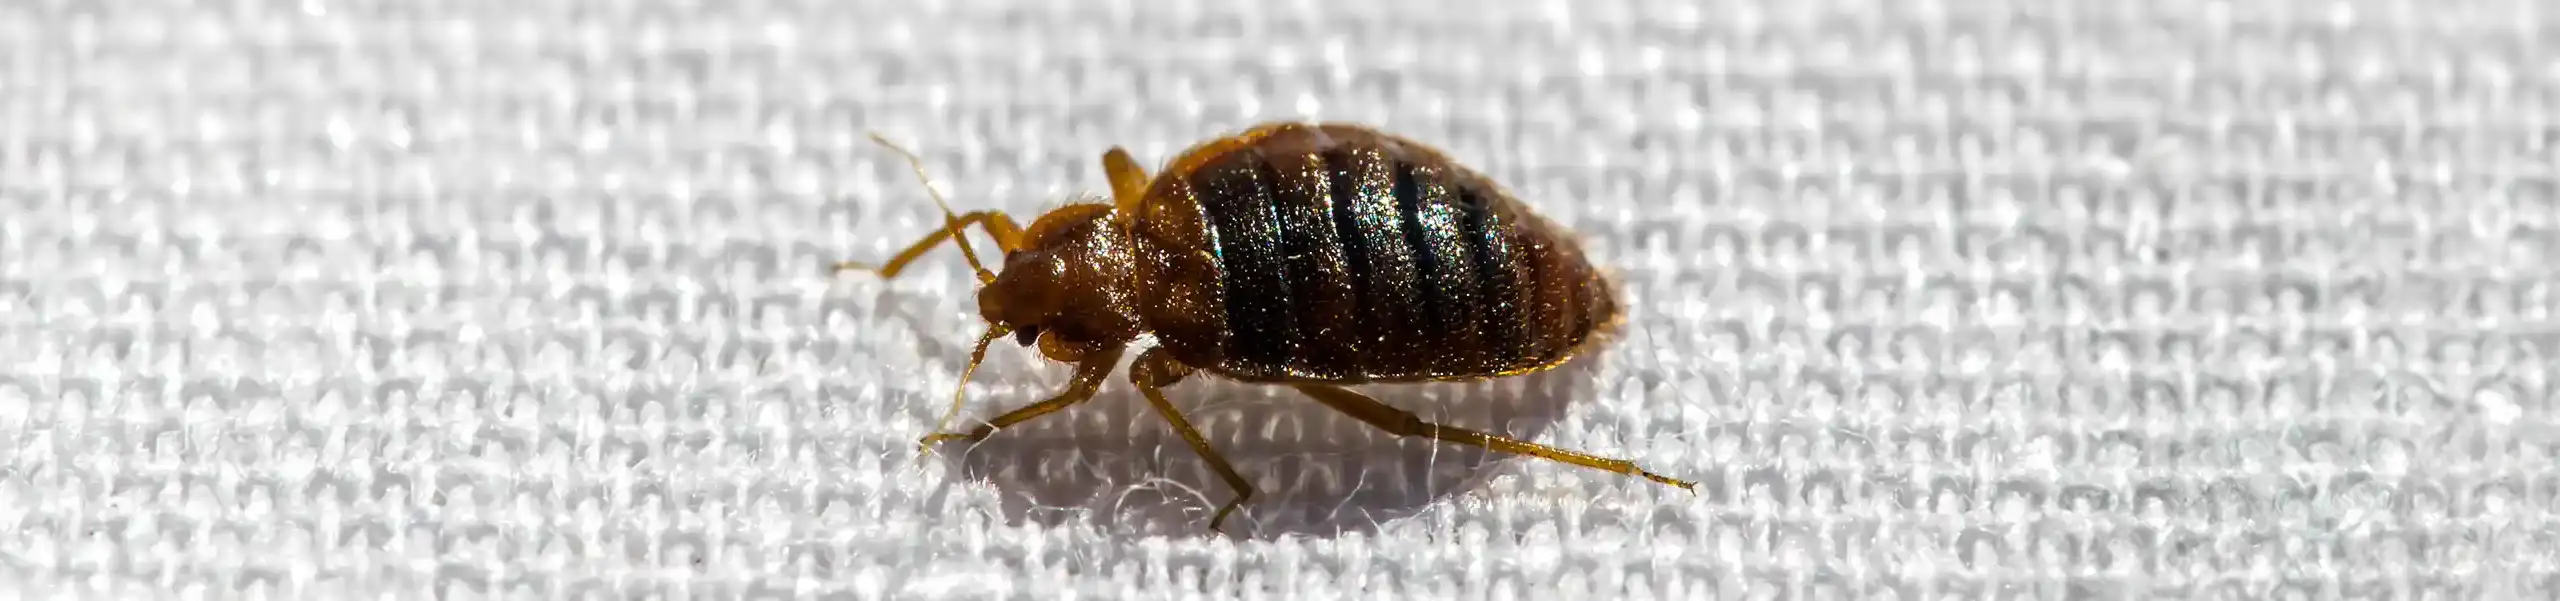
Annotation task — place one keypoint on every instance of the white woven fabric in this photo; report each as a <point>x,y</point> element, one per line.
<point>2011,299</point>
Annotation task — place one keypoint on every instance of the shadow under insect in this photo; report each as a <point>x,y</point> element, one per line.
<point>1114,462</point>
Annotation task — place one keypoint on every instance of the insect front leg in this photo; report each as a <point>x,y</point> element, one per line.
<point>1405,423</point>
<point>1155,370</point>
<point>999,226</point>
<point>1008,235</point>
<point>1088,378</point>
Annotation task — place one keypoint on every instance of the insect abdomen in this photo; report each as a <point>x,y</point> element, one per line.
<point>1333,253</point>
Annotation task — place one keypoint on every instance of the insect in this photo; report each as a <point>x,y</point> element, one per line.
<point>1309,255</point>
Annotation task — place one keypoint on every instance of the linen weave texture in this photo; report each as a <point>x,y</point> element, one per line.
<point>1997,299</point>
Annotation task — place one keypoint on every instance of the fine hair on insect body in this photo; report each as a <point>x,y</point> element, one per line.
<point>1315,256</point>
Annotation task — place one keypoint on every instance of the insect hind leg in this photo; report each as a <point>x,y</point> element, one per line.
<point>1405,423</point>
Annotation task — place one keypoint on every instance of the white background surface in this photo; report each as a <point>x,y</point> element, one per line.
<point>1973,299</point>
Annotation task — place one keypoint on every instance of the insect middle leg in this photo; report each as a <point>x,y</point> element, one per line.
<point>1155,370</point>
<point>1088,378</point>
<point>999,226</point>
<point>1405,423</point>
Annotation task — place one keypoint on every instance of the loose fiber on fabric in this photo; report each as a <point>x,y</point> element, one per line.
<point>1936,299</point>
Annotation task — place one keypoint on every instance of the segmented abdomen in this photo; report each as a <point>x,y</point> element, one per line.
<point>1334,253</point>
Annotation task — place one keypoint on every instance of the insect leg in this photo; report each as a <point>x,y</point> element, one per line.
<point>1001,227</point>
<point>1128,181</point>
<point>1405,423</point>
<point>1088,378</point>
<point>1156,370</point>
<point>951,223</point>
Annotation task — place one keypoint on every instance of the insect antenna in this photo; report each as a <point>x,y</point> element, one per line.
<point>950,220</point>
<point>951,223</point>
<point>959,396</point>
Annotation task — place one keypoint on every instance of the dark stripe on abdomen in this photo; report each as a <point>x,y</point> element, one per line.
<point>1235,194</point>
<point>1322,280</point>
<point>1490,235</point>
<point>1446,255</point>
<point>1372,227</point>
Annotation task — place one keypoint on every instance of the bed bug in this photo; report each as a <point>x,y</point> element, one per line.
<point>1309,255</point>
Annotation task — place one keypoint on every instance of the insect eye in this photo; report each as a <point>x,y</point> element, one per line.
<point>1027,335</point>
